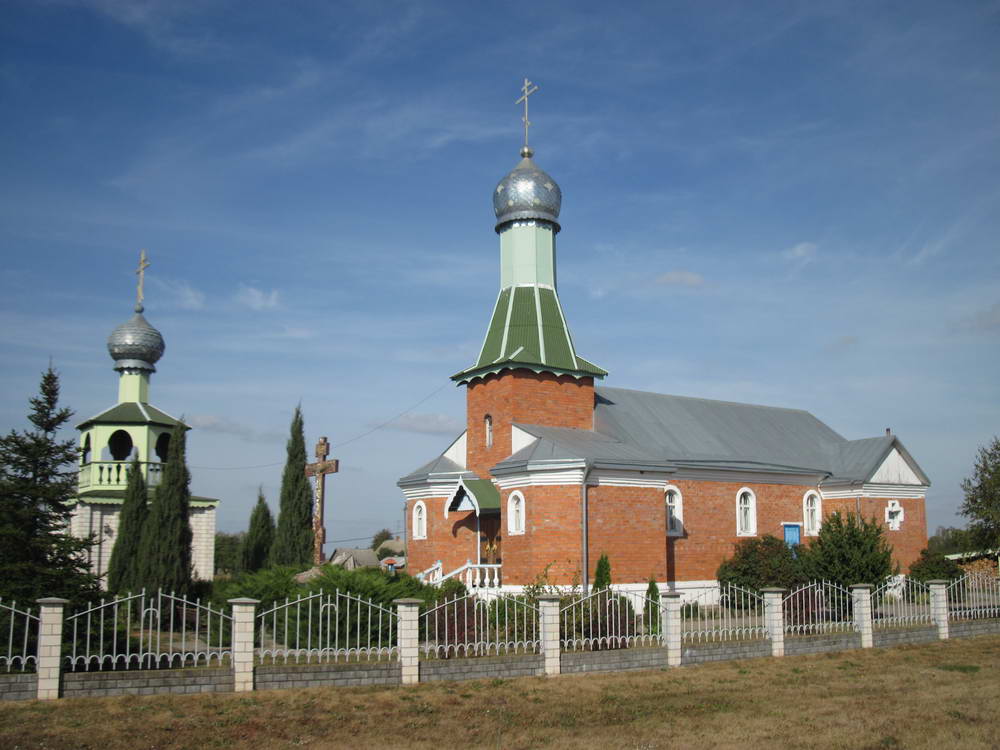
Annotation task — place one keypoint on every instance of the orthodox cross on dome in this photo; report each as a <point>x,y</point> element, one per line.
<point>527,90</point>
<point>141,273</point>
<point>320,469</point>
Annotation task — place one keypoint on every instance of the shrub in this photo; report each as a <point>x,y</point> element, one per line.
<point>848,550</point>
<point>602,575</point>
<point>757,563</point>
<point>933,565</point>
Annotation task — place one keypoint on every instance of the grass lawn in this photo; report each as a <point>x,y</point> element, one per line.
<point>943,695</point>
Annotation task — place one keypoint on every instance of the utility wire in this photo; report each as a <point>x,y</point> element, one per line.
<point>376,428</point>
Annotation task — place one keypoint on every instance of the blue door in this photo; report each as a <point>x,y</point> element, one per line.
<point>793,534</point>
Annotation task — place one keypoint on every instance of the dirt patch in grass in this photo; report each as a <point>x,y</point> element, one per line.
<point>907,697</point>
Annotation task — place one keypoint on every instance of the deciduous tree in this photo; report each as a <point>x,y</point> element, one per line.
<point>982,497</point>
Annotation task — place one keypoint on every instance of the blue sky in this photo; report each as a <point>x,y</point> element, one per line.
<point>794,204</point>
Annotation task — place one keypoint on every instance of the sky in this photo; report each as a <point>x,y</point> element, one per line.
<point>786,203</point>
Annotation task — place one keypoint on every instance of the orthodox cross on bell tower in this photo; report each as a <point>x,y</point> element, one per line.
<point>320,469</point>
<point>528,89</point>
<point>141,273</point>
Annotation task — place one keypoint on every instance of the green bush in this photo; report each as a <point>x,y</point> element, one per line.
<point>934,565</point>
<point>760,562</point>
<point>848,550</point>
<point>602,575</point>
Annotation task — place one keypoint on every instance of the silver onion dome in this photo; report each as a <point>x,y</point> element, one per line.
<point>527,192</point>
<point>135,344</point>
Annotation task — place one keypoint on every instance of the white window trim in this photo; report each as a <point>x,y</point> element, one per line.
<point>413,523</point>
<point>752,531</point>
<point>678,509</point>
<point>806,531</point>
<point>889,507</point>
<point>511,531</point>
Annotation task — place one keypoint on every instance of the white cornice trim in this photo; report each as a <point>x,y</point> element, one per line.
<point>540,478</point>
<point>613,478</point>
<point>868,489</point>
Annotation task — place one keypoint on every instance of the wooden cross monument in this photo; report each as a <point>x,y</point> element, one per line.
<point>320,469</point>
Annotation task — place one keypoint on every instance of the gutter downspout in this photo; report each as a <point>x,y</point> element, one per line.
<point>585,523</point>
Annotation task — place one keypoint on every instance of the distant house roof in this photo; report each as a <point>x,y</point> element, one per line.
<point>395,545</point>
<point>350,558</point>
<point>652,431</point>
<point>132,412</point>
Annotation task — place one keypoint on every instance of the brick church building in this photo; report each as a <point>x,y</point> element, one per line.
<point>554,470</point>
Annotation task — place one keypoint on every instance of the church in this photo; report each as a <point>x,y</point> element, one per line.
<point>131,429</point>
<point>553,470</point>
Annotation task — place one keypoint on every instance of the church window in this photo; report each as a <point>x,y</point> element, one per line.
<point>419,521</point>
<point>812,513</point>
<point>163,446</point>
<point>488,427</point>
<point>675,511</point>
<point>85,454</point>
<point>120,445</point>
<point>515,513</point>
<point>894,515</point>
<point>746,512</point>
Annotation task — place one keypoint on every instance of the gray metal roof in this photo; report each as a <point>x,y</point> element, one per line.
<point>439,465</point>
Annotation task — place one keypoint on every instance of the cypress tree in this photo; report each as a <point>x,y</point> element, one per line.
<point>166,540</point>
<point>293,537</point>
<point>123,569</point>
<point>602,575</point>
<point>256,547</point>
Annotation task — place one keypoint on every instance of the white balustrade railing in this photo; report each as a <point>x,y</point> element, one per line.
<point>107,474</point>
<point>472,626</point>
<point>901,603</point>
<point>974,597</point>
<point>730,614</point>
<point>432,575</point>
<point>326,628</point>
<point>19,634</point>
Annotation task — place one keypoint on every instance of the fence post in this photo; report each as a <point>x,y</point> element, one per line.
<point>408,638</point>
<point>243,626</point>
<point>548,608</point>
<point>50,632</point>
<point>670,626</point>
<point>774,619</point>
<point>861,600</point>
<point>939,606</point>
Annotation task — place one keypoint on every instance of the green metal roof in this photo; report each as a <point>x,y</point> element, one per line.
<point>115,497</point>
<point>528,328</point>
<point>132,412</point>
<point>483,494</point>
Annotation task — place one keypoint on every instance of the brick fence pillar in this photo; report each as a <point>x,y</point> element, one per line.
<point>861,603</point>
<point>50,631</point>
<point>243,622</point>
<point>670,626</point>
<point>408,636</point>
<point>939,607</point>
<point>548,607</point>
<point>774,619</point>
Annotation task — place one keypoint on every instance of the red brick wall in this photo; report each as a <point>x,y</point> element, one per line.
<point>552,536</point>
<point>912,535</point>
<point>527,397</point>
<point>451,540</point>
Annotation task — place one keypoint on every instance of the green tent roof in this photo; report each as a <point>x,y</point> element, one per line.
<point>529,330</point>
<point>115,497</point>
<point>132,412</point>
<point>482,494</point>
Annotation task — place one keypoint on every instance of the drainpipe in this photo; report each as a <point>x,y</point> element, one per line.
<point>585,523</point>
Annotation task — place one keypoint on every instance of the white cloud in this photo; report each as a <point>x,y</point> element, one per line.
<point>681,278</point>
<point>802,253</point>
<point>842,345</point>
<point>224,426</point>
<point>182,293</point>
<point>257,299</point>
<point>428,424</point>
<point>983,321</point>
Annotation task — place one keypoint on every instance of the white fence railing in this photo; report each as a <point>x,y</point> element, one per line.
<point>19,633</point>
<point>818,608</point>
<point>607,619</point>
<point>326,628</point>
<point>732,613</point>
<point>474,626</point>
<point>901,603</point>
<point>147,631</point>
<point>974,597</point>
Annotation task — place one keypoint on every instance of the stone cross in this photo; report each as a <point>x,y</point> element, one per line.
<point>141,273</point>
<point>528,88</point>
<point>320,469</point>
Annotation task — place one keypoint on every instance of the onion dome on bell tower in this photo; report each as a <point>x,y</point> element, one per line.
<point>135,345</point>
<point>527,192</point>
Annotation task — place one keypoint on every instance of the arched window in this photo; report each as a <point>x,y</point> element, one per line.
<point>419,520</point>
<point>85,453</point>
<point>675,511</point>
<point>746,512</point>
<point>812,513</point>
<point>488,430</point>
<point>120,445</point>
<point>515,513</point>
<point>163,446</point>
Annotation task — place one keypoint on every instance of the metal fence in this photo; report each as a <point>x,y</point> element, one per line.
<point>19,630</point>
<point>325,627</point>
<point>147,631</point>
<point>818,608</point>
<point>732,613</point>
<point>974,597</point>
<point>608,619</point>
<point>901,603</point>
<point>474,626</point>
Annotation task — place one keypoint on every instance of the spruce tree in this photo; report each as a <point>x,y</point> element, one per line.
<point>38,479</point>
<point>256,547</point>
<point>166,540</point>
<point>123,569</point>
<point>293,537</point>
